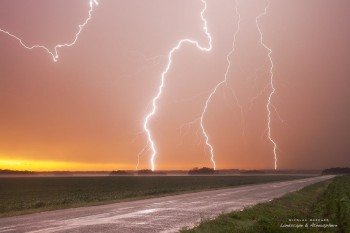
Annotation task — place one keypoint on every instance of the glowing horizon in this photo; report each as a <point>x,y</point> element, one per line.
<point>51,166</point>
<point>46,165</point>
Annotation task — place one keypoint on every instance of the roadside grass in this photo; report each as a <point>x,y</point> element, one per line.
<point>21,195</point>
<point>325,200</point>
<point>335,203</point>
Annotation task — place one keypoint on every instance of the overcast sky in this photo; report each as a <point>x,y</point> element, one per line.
<point>86,111</point>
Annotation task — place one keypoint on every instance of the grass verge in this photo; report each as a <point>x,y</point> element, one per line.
<point>328,200</point>
<point>35,194</point>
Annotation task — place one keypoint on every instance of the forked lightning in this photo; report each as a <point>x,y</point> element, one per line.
<point>54,53</point>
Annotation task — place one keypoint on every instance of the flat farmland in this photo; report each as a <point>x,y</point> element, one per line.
<point>20,195</point>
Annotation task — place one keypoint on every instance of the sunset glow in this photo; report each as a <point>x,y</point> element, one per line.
<point>38,165</point>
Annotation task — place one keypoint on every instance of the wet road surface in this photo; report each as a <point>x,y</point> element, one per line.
<point>164,214</point>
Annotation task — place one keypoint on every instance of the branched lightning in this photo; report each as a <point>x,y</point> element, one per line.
<point>273,90</point>
<point>163,76</point>
<point>239,105</point>
<point>54,52</point>
<point>224,81</point>
<point>144,149</point>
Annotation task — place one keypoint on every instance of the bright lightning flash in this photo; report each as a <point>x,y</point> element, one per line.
<point>54,53</point>
<point>224,81</point>
<point>273,90</point>
<point>162,83</point>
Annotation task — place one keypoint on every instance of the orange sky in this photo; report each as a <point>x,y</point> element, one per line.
<point>86,111</point>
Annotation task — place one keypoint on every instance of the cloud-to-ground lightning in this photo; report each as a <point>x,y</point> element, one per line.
<point>162,81</point>
<point>224,81</point>
<point>54,53</point>
<point>273,90</point>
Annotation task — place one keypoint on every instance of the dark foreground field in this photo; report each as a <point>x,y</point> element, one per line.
<point>295,212</point>
<point>33,194</point>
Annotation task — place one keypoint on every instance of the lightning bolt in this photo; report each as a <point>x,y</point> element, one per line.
<point>224,81</point>
<point>54,52</point>
<point>163,77</point>
<point>273,90</point>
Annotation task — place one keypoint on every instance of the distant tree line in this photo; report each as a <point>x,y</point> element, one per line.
<point>336,171</point>
<point>145,172</point>
<point>14,172</point>
<point>119,173</point>
<point>150,172</point>
<point>201,171</point>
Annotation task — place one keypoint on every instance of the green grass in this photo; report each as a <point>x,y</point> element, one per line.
<point>335,203</point>
<point>325,200</point>
<point>34,194</point>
